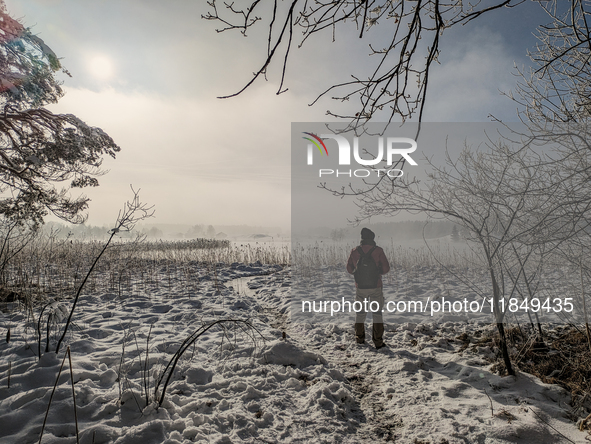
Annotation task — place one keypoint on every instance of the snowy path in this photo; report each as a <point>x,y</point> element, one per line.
<point>316,385</point>
<point>429,386</point>
<point>435,395</point>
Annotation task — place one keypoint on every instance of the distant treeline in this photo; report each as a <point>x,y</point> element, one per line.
<point>83,231</point>
<point>400,230</point>
<point>164,231</point>
<point>183,244</point>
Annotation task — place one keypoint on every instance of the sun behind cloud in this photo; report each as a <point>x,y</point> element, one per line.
<point>101,67</point>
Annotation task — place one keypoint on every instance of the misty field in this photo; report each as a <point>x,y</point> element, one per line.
<point>198,341</point>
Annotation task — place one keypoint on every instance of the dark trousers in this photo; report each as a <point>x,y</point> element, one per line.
<point>366,297</point>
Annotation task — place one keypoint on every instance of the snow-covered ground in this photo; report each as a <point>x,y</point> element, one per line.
<point>302,383</point>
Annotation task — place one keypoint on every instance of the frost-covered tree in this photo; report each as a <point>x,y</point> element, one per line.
<point>558,86</point>
<point>513,203</point>
<point>43,155</point>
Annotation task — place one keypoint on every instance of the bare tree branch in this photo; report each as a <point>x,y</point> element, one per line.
<point>397,85</point>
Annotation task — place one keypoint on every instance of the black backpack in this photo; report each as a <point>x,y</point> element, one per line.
<point>366,271</point>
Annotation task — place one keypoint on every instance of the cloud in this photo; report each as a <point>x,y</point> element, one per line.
<point>467,86</point>
<point>198,161</point>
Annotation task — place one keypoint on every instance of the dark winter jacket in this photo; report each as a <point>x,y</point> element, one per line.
<point>378,256</point>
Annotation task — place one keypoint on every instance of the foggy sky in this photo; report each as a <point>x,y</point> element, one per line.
<point>201,160</point>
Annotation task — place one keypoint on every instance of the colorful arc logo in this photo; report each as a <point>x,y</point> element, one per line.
<point>316,142</point>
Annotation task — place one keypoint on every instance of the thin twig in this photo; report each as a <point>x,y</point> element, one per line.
<point>146,366</point>
<point>492,412</point>
<point>51,397</point>
<point>73,393</point>
<point>540,418</point>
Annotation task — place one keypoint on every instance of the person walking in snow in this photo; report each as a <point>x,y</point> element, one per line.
<point>368,263</point>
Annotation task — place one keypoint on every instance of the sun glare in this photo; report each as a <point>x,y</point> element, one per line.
<point>101,67</point>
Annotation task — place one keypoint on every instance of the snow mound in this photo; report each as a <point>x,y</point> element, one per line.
<point>284,353</point>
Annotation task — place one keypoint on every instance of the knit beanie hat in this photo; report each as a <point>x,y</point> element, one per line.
<point>367,234</point>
